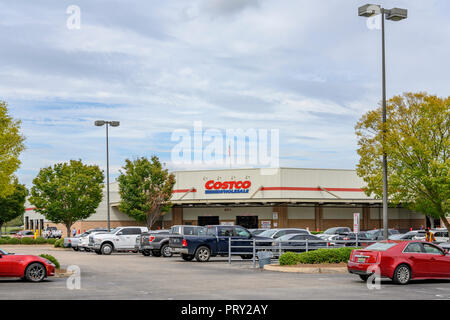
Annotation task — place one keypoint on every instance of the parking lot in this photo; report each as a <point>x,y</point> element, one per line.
<point>133,276</point>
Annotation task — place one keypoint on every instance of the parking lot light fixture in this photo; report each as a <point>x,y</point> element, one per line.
<point>395,14</point>
<point>100,123</point>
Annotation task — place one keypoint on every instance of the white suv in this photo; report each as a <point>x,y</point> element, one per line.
<point>119,239</point>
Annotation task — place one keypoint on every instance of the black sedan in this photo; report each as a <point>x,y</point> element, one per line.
<point>363,238</point>
<point>298,243</point>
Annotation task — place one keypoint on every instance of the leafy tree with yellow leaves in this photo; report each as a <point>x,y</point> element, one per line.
<point>417,144</point>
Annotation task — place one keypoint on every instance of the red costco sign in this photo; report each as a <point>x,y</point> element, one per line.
<point>212,186</point>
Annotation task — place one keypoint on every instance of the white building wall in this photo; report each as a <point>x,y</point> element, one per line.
<point>228,213</point>
<point>301,213</point>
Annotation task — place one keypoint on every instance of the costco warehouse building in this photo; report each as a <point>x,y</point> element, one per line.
<point>259,198</point>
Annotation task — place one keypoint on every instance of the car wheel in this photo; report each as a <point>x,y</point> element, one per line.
<point>364,277</point>
<point>35,272</point>
<point>202,254</point>
<point>156,253</point>
<point>166,251</point>
<point>87,250</point>
<point>98,251</point>
<point>146,252</point>
<point>106,249</point>
<point>75,248</point>
<point>402,274</point>
<point>247,256</point>
<point>187,257</point>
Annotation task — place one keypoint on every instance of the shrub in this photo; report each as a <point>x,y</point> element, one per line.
<point>316,232</point>
<point>317,256</point>
<point>13,241</point>
<point>40,240</point>
<point>59,243</point>
<point>288,259</point>
<point>51,259</point>
<point>51,241</point>
<point>27,240</point>
<point>5,237</point>
<point>4,241</point>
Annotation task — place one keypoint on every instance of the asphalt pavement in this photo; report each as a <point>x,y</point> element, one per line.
<point>133,276</point>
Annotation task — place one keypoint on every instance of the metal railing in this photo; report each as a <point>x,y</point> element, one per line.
<point>279,247</point>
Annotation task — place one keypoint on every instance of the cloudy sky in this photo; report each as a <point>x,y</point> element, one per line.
<point>307,68</point>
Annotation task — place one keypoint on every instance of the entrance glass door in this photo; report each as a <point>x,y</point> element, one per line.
<point>208,221</point>
<point>248,222</point>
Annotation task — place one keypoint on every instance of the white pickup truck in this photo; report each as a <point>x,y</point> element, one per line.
<point>52,232</point>
<point>119,239</point>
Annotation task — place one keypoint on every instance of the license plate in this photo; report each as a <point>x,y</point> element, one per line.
<point>361,260</point>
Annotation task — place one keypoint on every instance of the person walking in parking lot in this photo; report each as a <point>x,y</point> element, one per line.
<point>429,236</point>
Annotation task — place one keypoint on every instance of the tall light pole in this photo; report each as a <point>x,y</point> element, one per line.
<point>395,14</point>
<point>100,123</point>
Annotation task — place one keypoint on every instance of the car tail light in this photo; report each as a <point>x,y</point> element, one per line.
<point>346,238</point>
<point>373,258</point>
<point>184,243</point>
<point>151,238</point>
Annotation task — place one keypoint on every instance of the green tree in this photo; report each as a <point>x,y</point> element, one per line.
<point>417,145</point>
<point>67,192</point>
<point>11,145</point>
<point>145,189</point>
<point>13,205</point>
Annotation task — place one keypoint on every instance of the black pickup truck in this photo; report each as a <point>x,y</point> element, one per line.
<point>216,242</point>
<point>156,243</point>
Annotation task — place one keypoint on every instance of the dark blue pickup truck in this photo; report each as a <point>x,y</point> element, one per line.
<point>216,242</point>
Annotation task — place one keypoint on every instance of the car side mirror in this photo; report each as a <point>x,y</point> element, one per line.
<point>445,252</point>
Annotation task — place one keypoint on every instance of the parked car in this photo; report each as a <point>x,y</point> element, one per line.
<point>363,237</point>
<point>119,239</point>
<point>52,232</point>
<point>257,231</point>
<point>289,240</point>
<point>332,233</point>
<point>24,234</point>
<point>81,241</point>
<point>407,236</point>
<point>216,242</point>
<point>441,235</point>
<point>276,233</point>
<point>29,267</point>
<point>401,261</point>
<point>378,234</point>
<point>156,242</point>
<point>144,243</point>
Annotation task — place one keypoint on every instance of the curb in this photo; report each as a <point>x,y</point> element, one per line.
<point>277,267</point>
<point>63,274</point>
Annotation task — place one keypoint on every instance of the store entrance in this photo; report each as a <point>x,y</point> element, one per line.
<point>208,220</point>
<point>249,222</point>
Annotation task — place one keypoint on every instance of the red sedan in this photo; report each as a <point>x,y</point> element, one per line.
<point>401,261</point>
<point>32,268</point>
<point>24,234</point>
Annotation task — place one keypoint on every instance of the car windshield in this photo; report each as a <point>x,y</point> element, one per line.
<point>287,237</point>
<point>268,233</point>
<point>381,246</point>
<point>330,231</point>
<point>258,231</point>
<point>3,252</point>
<point>398,236</point>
